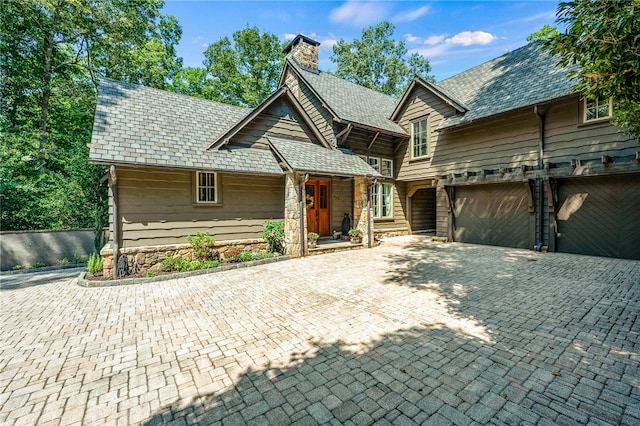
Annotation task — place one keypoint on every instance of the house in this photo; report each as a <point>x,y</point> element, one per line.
<point>504,153</point>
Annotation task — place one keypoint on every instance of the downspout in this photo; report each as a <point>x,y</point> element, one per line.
<point>116,231</point>
<point>539,180</point>
<point>302,213</point>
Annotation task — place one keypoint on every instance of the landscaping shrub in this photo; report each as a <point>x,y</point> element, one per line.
<point>273,234</point>
<point>203,245</point>
<point>94,264</point>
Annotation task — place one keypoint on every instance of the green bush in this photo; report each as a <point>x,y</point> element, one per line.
<point>180,264</point>
<point>64,261</point>
<point>273,234</point>
<point>37,265</point>
<point>203,245</point>
<point>94,264</point>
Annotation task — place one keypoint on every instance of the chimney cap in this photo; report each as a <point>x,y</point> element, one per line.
<point>294,42</point>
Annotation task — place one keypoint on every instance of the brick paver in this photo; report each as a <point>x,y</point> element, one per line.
<point>410,332</point>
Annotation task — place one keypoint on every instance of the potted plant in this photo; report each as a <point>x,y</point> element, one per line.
<point>356,236</point>
<point>312,239</point>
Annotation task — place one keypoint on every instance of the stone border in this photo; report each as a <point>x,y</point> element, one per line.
<point>83,282</point>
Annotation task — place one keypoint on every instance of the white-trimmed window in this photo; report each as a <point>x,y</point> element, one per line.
<point>597,109</point>
<point>384,166</point>
<point>382,192</point>
<point>420,138</point>
<point>382,200</point>
<point>206,187</point>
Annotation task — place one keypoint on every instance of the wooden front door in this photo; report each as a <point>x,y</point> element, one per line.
<point>317,198</point>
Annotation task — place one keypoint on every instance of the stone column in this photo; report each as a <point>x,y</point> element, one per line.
<point>292,215</point>
<point>361,209</point>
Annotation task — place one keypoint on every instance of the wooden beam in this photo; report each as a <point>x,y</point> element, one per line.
<point>373,140</point>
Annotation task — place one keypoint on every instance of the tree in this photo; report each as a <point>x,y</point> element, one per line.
<point>52,53</point>
<point>603,38</point>
<point>244,71</point>
<point>378,62</point>
<point>545,33</point>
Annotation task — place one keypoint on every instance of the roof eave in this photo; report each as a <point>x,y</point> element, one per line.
<point>448,99</point>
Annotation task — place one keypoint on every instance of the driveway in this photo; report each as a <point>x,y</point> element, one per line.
<point>410,332</point>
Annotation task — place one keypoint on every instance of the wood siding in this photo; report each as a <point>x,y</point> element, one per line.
<point>280,119</point>
<point>599,216</point>
<point>566,138</point>
<point>157,206</point>
<point>420,104</point>
<point>399,220</point>
<point>341,201</point>
<point>313,106</point>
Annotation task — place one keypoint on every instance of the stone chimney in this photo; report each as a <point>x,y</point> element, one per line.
<point>304,50</point>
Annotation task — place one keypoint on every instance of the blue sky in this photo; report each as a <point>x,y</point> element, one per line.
<point>453,35</point>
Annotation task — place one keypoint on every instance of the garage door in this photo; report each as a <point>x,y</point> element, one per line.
<point>492,214</point>
<point>599,216</point>
<point>423,210</point>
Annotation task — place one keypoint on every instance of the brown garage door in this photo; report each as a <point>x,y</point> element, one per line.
<point>495,215</point>
<point>599,216</point>
<point>423,210</point>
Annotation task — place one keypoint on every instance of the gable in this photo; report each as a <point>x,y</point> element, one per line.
<point>280,119</point>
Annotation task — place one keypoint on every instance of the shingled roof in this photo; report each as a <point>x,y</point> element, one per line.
<point>351,102</point>
<point>138,125</point>
<point>521,78</point>
<point>143,126</point>
<point>309,157</point>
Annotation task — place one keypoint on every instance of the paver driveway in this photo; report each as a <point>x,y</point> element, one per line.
<point>409,332</point>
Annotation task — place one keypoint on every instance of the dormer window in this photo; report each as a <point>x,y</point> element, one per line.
<point>420,138</point>
<point>597,109</point>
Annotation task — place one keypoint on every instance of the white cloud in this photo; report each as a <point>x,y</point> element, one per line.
<point>469,38</point>
<point>412,39</point>
<point>435,39</point>
<point>359,13</point>
<point>288,36</point>
<point>197,40</point>
<point>411,15</point>
<point>433,51</point>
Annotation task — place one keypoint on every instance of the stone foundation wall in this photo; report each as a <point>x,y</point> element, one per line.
<point>379,234</point>
<point>141,260</point>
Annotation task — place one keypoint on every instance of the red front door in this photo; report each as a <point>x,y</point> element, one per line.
<point>317,199</point>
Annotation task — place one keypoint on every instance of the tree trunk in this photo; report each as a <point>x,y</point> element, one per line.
<point>49,44</point>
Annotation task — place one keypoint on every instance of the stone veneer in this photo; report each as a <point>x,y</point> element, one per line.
<point>148,258</point>
<point>305,53</point>
<point>292,214</point>
<point>362,209</point>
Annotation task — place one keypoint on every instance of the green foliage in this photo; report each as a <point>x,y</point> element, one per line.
<point>202,245</point>
<point>273,234</point>
<point>242,72</point>
<point>312,236</point>
<point>603,38</point>
<point>180,264</point>
<point>17,267</point>
<point>51,56</point>
<point>547,32</point>
<point>95,263</point>
<point>78,259</point>
<point>37,265</point>
<point>64,261</point>
<point>355,232</point>
<point>378,62</point>
<point>233,254</point>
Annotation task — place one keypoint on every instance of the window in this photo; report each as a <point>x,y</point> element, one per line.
<point>384,166</point>
<point>597,109</point>
<point>382,192</point>
<point>420,139</point>
<point>382,200</point>
<point>206,187</point>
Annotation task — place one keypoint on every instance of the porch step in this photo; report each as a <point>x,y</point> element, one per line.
<point>330,246</point>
